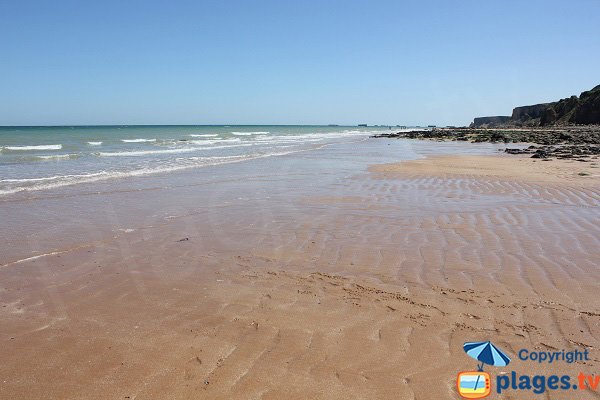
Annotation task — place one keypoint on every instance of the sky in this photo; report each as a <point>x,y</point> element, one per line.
<point>290,62</point>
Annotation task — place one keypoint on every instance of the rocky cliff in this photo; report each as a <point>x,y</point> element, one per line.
<point>582,110</point>
<point>491,121</point>
<point>527,114</point>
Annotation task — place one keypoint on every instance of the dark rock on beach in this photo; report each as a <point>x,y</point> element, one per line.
<point>564,142</point>
<point>578,152</point>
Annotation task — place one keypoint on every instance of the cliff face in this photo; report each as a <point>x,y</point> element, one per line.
<point>588,109</point>
<point>525,114</point>
<point>491,121</point>
<point>584,110</point>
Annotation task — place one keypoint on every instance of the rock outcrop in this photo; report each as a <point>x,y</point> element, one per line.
<point>588,109</point>
<point>582,110</point>
<point>491,121</point>
<point>529,115</point>
<point>581,143</point>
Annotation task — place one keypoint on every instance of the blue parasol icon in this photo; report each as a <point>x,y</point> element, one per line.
<point>487,353</point>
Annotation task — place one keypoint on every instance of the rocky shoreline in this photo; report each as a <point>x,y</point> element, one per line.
<point>569,142</point>
<point>582,110</point>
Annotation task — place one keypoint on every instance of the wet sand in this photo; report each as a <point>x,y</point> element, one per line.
<point>515,168</point>
<point>362,287</point>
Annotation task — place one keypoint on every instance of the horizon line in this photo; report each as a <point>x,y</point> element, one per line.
<point>221,125</point>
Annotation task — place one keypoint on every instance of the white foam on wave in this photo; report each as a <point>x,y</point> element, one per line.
<point>48,178</point>
<point>33,148</point>
<point>57,157</point>
<point>192,162</point>
<point>144,152</point>
<point>94,143</point>
<point>204,135</point>
<point>138,140</point>
<point>227,146</point>
<point>214,141</point>
<point>202,142</point>
<point>250,133</point>
<point>201,145</point>
<point>310,137</point>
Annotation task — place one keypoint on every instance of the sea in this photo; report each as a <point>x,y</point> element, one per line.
<point>40,158</point>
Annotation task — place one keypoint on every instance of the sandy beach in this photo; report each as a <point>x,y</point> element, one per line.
<point>507,167</point>
<point>313,200</point>
<point>364,286</point>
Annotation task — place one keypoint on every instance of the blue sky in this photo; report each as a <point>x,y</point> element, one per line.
<point>290,62</point>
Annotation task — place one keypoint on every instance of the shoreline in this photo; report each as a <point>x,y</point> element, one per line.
<point>305,278</point>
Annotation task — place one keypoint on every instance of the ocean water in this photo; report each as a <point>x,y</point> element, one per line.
<point>39,158</point>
